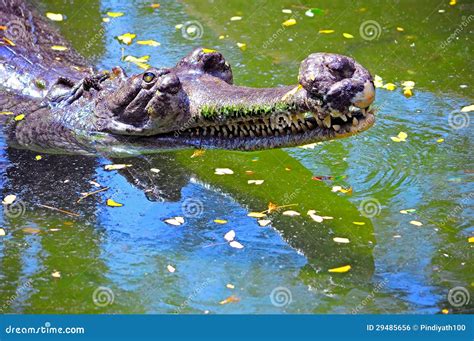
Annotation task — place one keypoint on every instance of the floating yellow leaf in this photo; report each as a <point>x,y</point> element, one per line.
<point>220,221</point>
<point>8,41</point>
<point>341,240</point>
<point>19,117</point>
<point>221,37</point>
<point>400,29</point>
<point>389,86</point>
<point>242,46</point>
<point>230,299</point>
<point>468,108</point>
<point>445,311</point>
<point>289,22</point>
<point>58,48</point>
<point>148,42</point>
<point>256,215</point>
<point>272,207</point>
<point>401,137</point>
<point>2,232</point>
<point>56,274</point>
<point>154,170</point>
<point>326,31</point>
<point>38,157</point>
<point>208,50</point>
<point>127,38</point>
<point>452,2</point>
<point>236,18</point>
<point>314,216</point>
<point>341,269</point>
<point>471,240</point>
<point>6,113</point>
<point>360,223</point>
<point>230,286</point>
<point>440,140</point>
<point>197,153</point>
<point>348,35</point>
<point>155,6</point>
<point>407,93</point>
<point>112,203</point>
<point>55,16</point>
<point>132,59</point>
<point>408,84</point>
<point>416,223</point>
<point>179,26</point>
<point>116,167</point>
<point>115,14</point>
<point>171,268</point>
<point>106,19</point>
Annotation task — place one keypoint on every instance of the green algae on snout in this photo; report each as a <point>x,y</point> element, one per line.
<point>240,110</point>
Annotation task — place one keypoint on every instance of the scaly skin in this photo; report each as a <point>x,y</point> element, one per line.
<point>194,104</point>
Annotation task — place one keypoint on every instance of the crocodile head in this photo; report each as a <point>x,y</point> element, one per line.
<point>196,104</point>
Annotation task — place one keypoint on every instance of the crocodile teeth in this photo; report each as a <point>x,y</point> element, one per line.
<point>327,121</point>
<point>319,122</point>
<point>355,121</point>
<point>309,124</point>
<point>336,127</point>
<point>343,117</point>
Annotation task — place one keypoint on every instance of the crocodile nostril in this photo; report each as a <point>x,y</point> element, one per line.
<point>169,83</point>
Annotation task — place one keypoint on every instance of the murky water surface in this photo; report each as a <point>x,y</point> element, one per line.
<point>115,260</point>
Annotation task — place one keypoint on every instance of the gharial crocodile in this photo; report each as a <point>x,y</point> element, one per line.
<point>52,101</point>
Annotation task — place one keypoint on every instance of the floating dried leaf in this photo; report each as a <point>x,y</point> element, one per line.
<point>31,230</point>
<point>326,31</point>
<point>348,35</point>
<point>360,223</point>
<point>242,46</point>
<point>2,232</point>
<point>236,18</point>
<point>9,199</point>
<point>198,153</point>
<point>314,216</point>
<point>291,213</point>
<point>256,215</point>
<point>154,170</point>
<point>223,171</point>
<point>176,221</point>
<point>289,22</point>
<point>115,14</point>
<point>230,236</point>
<point>468,108</point>
<point>116,167</point>
<point>19,117</point>
<point>341,240</point>
<point>127,38</point>
<point>54,16</point>
<point>150,42</point>
<point>230,299</point>
<point>255,182</point>
<point>236,244</point>
<point>220,221</point>
<point>416,223</point>
<point>230,286</point>
<point>56,274</point>
<point>264,222</point>
<point>171,268</point>
<point>58,48</point>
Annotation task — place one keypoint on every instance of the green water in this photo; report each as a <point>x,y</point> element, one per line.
<point>114,260</point>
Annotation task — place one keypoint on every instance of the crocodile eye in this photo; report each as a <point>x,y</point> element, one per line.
<point>148,77</point>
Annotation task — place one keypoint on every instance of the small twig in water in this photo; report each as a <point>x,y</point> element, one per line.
<point>60,210</point>
<point>85,195</point>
